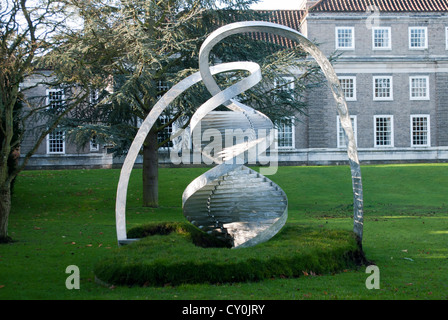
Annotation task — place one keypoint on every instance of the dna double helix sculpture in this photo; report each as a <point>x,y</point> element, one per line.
<point>232,201</point>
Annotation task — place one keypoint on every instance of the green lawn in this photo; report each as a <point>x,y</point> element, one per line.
<point>63,218</point>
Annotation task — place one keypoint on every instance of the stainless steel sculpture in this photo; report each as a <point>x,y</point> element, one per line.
<point>231,200</point>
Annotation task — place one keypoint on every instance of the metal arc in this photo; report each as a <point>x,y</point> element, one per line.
<point>330,74</point>
<point>156,111</point>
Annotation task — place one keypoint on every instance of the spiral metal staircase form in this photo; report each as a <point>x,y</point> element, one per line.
<point>237,204</point>
<point>240,206</point>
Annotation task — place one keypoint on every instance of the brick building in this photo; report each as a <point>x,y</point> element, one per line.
<point>393,67</point>
<point>56,151</point>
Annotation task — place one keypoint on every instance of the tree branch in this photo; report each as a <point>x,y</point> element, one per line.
<point>44,134</point>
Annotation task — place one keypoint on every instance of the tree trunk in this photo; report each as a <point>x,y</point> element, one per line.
<point>150,171</point>
<point>5,209</point>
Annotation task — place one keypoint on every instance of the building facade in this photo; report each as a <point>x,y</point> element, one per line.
<point>56,151</point>
<point>393,67</point>
<point>392,62</point>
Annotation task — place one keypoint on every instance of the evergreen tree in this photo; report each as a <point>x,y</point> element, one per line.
<point>129,52</point>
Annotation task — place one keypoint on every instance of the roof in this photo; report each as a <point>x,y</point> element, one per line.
<point>382,5</point>
<point>290,18</point>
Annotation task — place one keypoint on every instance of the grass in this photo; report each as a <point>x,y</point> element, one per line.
<point>63,218</point>
<point>179,253</point>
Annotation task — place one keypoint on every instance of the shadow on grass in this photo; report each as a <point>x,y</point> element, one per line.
<point>178,253</point>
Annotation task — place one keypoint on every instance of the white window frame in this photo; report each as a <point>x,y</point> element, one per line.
<point>48,101</point>
<point>425,46</point>
<point>173,129</point>
<point>446,38</point>
<point>162,86</point>
<point>94,96</point>
<point>391,89</point>
<point>354,87</point>
<point>426,96</point>
<point>389,44</point>
<point>352,46</point>
<point>428,130</point>
<point>285,79</point>
<point>293,135</point>
<point>49,140</point>
<point>94,145</point>
<point>376,133</point>
<point>340,131</point>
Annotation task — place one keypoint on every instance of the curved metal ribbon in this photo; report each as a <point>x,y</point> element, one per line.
<point>238,220</point>
<point>156,111</point>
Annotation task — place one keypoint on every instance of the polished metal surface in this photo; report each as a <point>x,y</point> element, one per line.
<point>232,201</point>
<point>156,111</point>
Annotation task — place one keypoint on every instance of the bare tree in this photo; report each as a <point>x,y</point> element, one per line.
<point>26,33</point>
